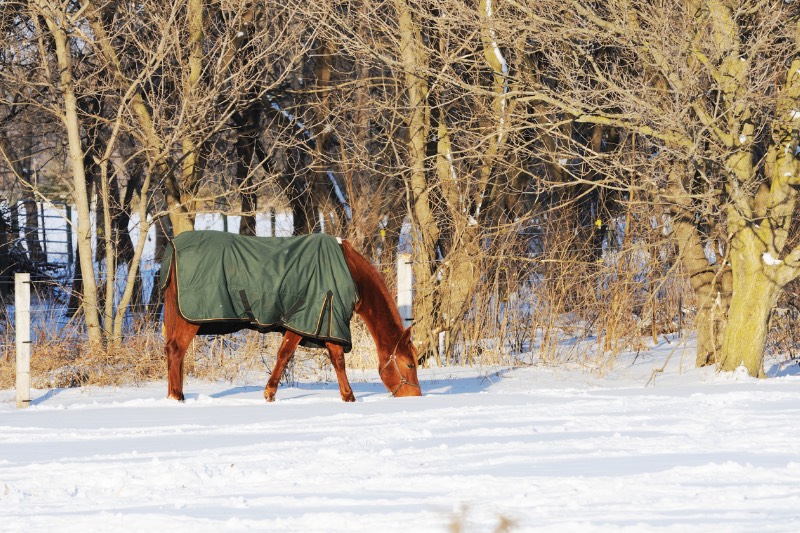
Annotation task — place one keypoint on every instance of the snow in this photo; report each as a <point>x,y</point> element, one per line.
<point>770,260</point>
<point>549,448</point>
<point>340,195</point>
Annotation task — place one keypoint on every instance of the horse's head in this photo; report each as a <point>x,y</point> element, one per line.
<point>398,370</point>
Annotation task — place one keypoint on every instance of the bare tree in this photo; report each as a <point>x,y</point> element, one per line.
<point>712,87</point>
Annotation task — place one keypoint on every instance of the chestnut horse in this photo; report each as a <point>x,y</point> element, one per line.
<point>397,354</point>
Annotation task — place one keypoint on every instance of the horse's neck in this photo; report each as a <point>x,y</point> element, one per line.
<point>376,306</point>
<point>385,327</point>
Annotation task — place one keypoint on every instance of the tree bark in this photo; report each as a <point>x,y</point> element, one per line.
<point>414,63</point>
<point>755,294</point>
<point>35,251</point>
<point>247,131</point>
<point>193,157</point>
<point>57,24</point>
<point>710,284</point>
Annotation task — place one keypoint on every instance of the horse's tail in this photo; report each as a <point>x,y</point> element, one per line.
<point>167,269</point>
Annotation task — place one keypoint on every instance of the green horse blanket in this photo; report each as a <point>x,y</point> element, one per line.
<point>228,282</point>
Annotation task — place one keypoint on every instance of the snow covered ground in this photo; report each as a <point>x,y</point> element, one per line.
<point>548,449</point>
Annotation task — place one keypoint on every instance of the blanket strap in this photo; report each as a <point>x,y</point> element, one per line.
<point>247,308</point>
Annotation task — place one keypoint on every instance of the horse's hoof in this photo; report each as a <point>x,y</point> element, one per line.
<point>269,396</point>
<point>177,398</point>
<point>349,398</point>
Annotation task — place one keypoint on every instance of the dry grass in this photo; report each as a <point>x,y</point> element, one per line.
<point>460,523</point>
<point>66,361</point>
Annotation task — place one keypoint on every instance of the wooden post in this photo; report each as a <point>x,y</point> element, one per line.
<point>70,252</point>
<point>22,319</point>
<point>405,289</point>
<point>273,233</point>
<point>43,225</point>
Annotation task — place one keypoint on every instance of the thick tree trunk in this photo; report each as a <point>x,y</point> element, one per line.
<point>711,283</point>
<point>713,300</point>
<point>35,252</point>
<point>754,297</point>
<point>294,183</point>
<point>72,123</point>
<point>76,288</point>
<point>418,122</point>
<point>712,291</point>
<point>755,294</point>
<point>182,208</point>
<point>495,124</point>
<point>247,133</point>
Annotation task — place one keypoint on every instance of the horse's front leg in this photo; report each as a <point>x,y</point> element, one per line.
<point>285,353</point>
<point>336,353</point>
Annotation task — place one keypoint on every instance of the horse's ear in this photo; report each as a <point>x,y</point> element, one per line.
<point>406,337</point>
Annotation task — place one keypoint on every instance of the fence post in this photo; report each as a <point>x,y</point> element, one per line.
<point>43,224</point>
<point>405,289</point>
<point>272,232</point>
<point>22,319</point>
<point>70,259</point>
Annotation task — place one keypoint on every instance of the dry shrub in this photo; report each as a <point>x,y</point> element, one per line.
<point>230,357</point>
<point>556,284</point>
<point>67,360</point>
<point>6,370</point>
<point>248,354</point>
<point>783,342</point>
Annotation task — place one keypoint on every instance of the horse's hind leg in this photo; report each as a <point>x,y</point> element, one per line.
<point>178,333</point>
<point>285,353</point>
<point>336,353</point>
<point>175,349</point>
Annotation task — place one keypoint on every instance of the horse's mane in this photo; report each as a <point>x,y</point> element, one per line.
<point>374,296</point>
